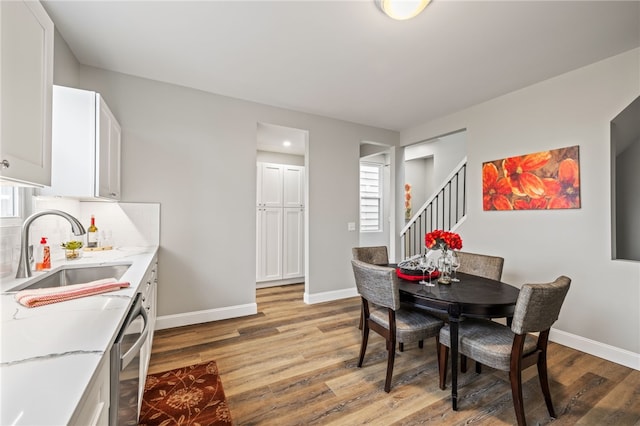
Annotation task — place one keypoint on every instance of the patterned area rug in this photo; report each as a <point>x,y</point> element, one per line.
<point>186,396</point>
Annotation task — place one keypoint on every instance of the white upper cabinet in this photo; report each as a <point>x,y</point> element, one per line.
<point>280,185</point>
<point>25,92</point>
<point>269,185</point>
<point>108,161</point>
<point>293,186</point>
<point>86,146</point>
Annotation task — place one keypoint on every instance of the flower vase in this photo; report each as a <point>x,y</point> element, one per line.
<point>444,267</point>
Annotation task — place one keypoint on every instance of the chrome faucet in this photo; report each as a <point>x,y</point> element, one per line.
<point>24,268</point>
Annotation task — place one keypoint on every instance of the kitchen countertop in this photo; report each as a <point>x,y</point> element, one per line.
<point>49,354</point>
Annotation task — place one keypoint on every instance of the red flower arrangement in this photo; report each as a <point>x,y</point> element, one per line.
<point>442,240</point>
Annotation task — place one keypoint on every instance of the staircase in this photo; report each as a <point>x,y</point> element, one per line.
<point>444,210</point>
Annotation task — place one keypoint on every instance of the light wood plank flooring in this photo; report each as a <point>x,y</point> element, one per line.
<point>295,364</point>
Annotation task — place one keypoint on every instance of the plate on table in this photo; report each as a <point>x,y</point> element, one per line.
<point>413,275</point>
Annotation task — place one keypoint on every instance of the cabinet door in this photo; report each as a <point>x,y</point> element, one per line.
<point>293,246</point>
<point>293,186</point>
<point>108,149</point>
<point>27,80</point>
<point>269,189</point>
<point>93,409</point>
<point>269,244</point>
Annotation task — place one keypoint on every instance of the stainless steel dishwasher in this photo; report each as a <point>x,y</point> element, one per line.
<point>125,367</point>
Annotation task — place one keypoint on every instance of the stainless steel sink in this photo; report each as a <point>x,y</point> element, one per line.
<point>76,275</point>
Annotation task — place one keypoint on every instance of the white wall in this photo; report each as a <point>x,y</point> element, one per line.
<point>195,153</point>
<point>601,314</point>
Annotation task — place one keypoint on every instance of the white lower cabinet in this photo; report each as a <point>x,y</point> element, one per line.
<point>269,244</point>
<point>293,243</point>
<point>93,410</point>
<point>149,296</point>
<point>280,244</point>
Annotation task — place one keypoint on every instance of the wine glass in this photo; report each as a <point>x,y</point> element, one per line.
<point>455,264</point>
<point>431,266</point>
<point>423,264</point>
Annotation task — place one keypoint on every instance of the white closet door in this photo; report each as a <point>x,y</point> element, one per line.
<point>269,185</point>
<point>293,255</point>
<point>269,247</point>
<point>293,186</point>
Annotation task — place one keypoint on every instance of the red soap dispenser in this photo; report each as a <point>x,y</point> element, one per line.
<point>43,258</point>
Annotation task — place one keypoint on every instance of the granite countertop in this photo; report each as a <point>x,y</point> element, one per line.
<point>49,354</point>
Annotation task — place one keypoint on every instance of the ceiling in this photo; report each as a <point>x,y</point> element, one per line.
<point>345,59</point>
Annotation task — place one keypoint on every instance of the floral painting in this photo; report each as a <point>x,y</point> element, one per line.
<point>543,180</point>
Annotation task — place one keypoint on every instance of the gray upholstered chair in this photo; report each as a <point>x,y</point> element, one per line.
<point>481,265</point>
<point>376,255</point>
<point>512,349</point>
<point>378,287</point>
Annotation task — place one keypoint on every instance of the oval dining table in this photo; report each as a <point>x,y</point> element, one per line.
<point>472,296</point>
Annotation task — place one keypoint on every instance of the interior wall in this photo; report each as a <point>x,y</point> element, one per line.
<point>195,153</point>
<point>419,174</point>
<point>280,158</point>
<point>628,203</point>
<point>575,108</point>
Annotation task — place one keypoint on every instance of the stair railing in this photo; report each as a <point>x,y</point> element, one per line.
<point>445,209</point>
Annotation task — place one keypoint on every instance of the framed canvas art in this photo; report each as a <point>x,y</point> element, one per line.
<point>538,181</point>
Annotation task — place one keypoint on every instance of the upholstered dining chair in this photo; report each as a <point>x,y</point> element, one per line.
<point>378,287</point>
<point>512,349</point>
<point>481,265</point>
<point>376,255</point>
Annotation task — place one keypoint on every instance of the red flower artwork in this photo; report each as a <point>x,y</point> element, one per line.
<point>538,181</point>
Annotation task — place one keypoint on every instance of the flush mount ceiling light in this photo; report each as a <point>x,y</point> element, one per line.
<point>402,9</point>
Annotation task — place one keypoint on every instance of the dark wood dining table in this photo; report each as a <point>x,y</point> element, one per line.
<point>472,296</point>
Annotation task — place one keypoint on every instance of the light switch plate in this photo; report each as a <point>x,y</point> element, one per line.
<point>351,226</point>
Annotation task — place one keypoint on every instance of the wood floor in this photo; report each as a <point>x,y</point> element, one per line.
<point>295,364</point>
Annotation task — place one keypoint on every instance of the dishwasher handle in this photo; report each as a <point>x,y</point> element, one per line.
<point>135,349</point>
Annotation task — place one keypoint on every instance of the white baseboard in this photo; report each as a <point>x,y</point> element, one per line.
<point>601,350</point>
<point>198,317</point>
<point>329,296</point>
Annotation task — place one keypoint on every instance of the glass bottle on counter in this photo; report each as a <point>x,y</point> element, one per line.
<point>92,234</point>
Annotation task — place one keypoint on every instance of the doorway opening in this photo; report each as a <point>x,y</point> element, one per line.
<point>376,225</point>
<point>281,199</point>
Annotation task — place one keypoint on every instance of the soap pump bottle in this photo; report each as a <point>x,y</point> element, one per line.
<point>43,257</point>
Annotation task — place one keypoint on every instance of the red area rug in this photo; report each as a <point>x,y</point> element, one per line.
<point>186,396</point>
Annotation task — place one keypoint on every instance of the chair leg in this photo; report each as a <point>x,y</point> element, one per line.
<point>390,361</point>
<point>544,383</point>
<point>421,344</point>
<point>401,347</point>
<point>361,319</point>
<point>363,347</point>
<point>443,357</point>
<point>478,367</point>
<point>515,377</point>
<point>463,363</point>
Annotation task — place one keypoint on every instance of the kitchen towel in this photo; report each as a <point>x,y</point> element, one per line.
<point>46,296</point>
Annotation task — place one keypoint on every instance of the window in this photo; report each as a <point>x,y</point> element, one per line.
<point>9,202</point>
<point>370,197</point>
